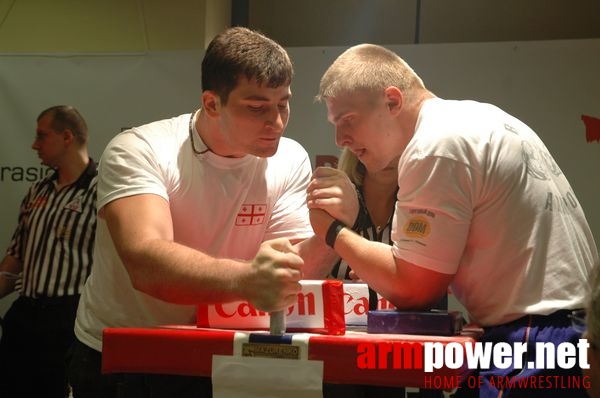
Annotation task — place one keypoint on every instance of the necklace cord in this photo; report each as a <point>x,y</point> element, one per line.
<point>191,130</point>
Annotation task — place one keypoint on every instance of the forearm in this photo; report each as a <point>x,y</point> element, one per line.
<point>12,266</point>
<point>372,261</point>
<point>405,285</point>
<point>318,257</point>
<point>178,274</point>
<point>141,229</point>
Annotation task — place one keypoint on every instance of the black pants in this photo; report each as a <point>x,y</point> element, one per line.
<point>36,335</point>
<point>361,391</point>
<point>87,381</point>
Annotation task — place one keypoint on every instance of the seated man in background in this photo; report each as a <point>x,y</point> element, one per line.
<point>481,206</point>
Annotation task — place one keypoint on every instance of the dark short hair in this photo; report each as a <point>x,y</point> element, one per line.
<point>240,52</point>
<point>66,117</point>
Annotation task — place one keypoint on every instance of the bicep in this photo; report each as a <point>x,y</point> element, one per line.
<point>135,220</point>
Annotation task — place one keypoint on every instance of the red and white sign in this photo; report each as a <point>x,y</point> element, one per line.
<point>319,309</point>
<point>356,303</point>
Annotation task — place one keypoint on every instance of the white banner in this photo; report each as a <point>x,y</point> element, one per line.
<point>550,85</point>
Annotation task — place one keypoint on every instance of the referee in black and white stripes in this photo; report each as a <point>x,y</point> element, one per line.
<point>48,260</point>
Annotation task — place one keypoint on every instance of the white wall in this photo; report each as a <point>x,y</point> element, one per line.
<point>111,92</point>
<point>548,84</point>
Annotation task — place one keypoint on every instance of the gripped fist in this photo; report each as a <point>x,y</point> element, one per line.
<point>273,284</point>
<point>320,221</point>
<point>332,191</point>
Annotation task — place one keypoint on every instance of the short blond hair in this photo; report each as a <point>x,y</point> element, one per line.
<point>349,164</point>
<point>369,68</point>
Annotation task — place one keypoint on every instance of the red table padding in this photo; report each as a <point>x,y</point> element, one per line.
<point>188,351</point>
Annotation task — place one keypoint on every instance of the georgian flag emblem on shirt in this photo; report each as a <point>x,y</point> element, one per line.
<point>251,214</point>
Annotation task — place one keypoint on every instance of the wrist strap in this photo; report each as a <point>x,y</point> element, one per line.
<point>333,232</point>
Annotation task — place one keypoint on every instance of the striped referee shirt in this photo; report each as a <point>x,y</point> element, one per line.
<point>55,236</point>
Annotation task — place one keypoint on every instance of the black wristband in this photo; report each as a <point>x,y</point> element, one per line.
<point>333,231</point>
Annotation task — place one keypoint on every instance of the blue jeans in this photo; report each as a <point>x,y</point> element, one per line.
<point>554,328</point>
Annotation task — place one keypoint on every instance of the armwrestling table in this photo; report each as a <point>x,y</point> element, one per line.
<point>187,350</point>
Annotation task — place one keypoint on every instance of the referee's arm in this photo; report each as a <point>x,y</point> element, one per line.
<point>9,268</point>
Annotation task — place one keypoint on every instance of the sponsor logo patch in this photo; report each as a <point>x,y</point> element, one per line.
<point>417,227</point>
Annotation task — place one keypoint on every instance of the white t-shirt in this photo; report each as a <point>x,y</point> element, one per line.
<point>481,197</point>
<point>225,207</point>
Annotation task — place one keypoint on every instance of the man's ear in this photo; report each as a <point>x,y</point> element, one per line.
<point>393,99</point>
<point>68,136</point>
<point>211,103</point>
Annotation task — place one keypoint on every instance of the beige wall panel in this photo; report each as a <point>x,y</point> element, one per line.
<point>117,26</point>
<point>508,20</point>
<point>5,6</point>
<point>217,18</point>
<point>346,22</point>
<point>109,26</point>
<point>72,26</point>
<point>184,24</point>
<point>334,22</point>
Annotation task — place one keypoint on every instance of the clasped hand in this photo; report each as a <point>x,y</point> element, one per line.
<point>331,194</point>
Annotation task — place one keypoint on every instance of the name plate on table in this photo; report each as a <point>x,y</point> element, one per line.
<point>267,350</point>
<point>319,309</point>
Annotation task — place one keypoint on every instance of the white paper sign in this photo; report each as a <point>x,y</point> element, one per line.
<point>240,376</point>
<point>254,377</point>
